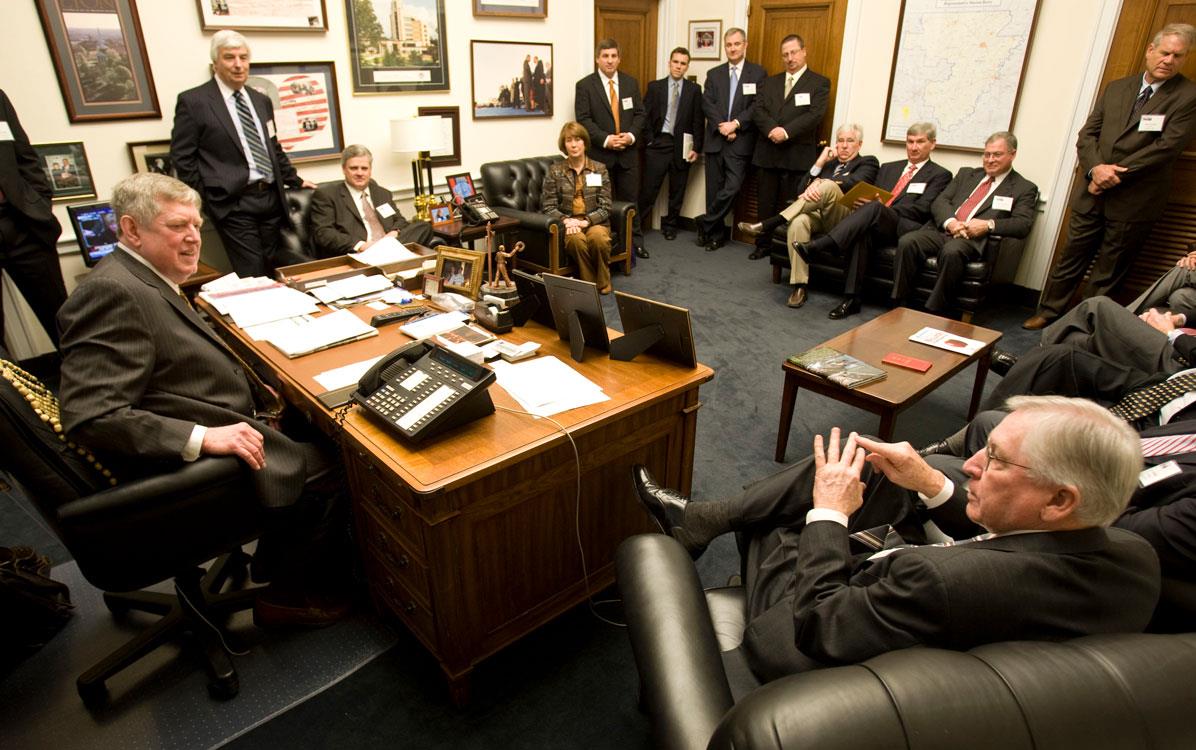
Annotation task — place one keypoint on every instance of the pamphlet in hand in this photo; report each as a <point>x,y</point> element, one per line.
<point>838,367</point>
<point>948,341</point>
<point>867,192</point>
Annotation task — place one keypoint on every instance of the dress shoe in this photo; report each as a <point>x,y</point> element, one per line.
<point>758,253</point>
<point>714,244</point>
<point>1002,361</point>
<point>803,250</point>
<point>606,289</point>
<point>283,607</point>
<point>798,297</point>
<point>752,228</point>
<point>669,233</point>
<point>937,448</point>
<point>1035,323</point>
<point>849,306</point>
<point>641,253</point>
<point>701,239</point>
<point>666,507</point>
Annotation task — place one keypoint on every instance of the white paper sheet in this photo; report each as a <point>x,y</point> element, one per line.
<point>546,385</point>
<point>347,375</point>
<point>383,252</point>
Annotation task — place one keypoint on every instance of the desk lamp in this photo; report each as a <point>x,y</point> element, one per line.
<point>419,136</point>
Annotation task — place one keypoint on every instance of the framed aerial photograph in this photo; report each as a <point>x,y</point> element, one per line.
<point>405,54</point>
<point>307,114</point>
<point>151,156</point>
<point>66,168</point>
<point>511,8</point>
<point>705,40</point>
<point>510,79</point>
<point>99,57</point>
<point>460,270</point>
<point>450,156</point>
<point>263,15</point>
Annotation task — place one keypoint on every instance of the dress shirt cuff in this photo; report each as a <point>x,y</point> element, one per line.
<point>358,245</point>
<point>815,171</point>
<point>737,125</point>
<point>826,514</point>
<point>1172,335</point>
<point>194,443</point>
<point>948,221</point>
<point>943,496</point>
<point>606,141</point>
<point>632,136</point>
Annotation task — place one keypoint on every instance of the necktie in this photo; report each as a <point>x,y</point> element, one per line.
<point>1146,401</point>
<point>614,105</point>
<point>838,169</point>
<point>788,85</point>
<point>886,541</point>
<point>734,87</point>
<point>973,200</point>
<point>670,116</point>
<point>901,183</point>
<point>1168,445</point>
<point>261,159</point>
<point>371,219</point>
<point>1140,102</point>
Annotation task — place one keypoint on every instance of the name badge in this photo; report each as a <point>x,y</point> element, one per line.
<point>384,210</point>
<point>1158,473</point>
<point>593,179</point>
<point>1002,203</point>
<point>801,100</point>
<point>270,129</point>
<point>916,188</point>
<point>627,103</point>
<point>5,131</point>
<point>1151,123</point>
<point>749,89</point>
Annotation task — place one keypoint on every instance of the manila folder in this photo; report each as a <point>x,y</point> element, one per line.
<point>866,191</point>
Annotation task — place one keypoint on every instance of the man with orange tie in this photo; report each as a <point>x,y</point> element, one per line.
<point>914,183</point>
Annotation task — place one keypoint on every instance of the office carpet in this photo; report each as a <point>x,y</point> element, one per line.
<point>572,683</point>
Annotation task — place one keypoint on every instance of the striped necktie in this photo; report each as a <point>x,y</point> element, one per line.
<point>261,160</point>
<point>885,540</point>
<point>1146,401</point>
<point>1168,445</point>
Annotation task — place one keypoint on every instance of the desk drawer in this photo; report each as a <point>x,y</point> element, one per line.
<point>370,487</point>
<point>390,594</point>
<point>406,564</point>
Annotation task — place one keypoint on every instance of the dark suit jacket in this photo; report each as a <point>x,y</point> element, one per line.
<point>1109,138</point>
<point>912,206</point>
<point>591,105</point>
<point>860,169</point>
<point>23,180</point>
<point>140,369</point>
<point>773,108</point>
<point>689,114</point>
<point>336,223</point>
<point>207,153</point>
<point>717,97</point>
<point>1015,222</point>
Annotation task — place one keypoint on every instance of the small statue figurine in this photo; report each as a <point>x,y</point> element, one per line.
<point>502,257</point>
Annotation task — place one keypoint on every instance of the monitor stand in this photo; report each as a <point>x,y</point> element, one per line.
<point>630,345</point>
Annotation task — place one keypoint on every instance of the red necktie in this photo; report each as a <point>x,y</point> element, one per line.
<point>973,200</point>
<point>900,186</point>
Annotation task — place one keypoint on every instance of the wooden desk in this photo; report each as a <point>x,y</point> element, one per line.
<point>902,388</point>
<point>471,539</point>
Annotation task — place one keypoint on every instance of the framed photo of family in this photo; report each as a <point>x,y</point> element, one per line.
<point>510,79</point>
<point>151,156</point>
<point>100,59</point>
<point>511,8</point>
<point>705,40</point>
<point>460,270</point>
<point>263,15</point>
<point>66,168</point>
<point>408,55</point>
<point>307,114</point>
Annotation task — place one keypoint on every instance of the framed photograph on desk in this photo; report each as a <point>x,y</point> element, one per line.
<point>442,213</point>
<point>460,186</point>
<point>460,270</point>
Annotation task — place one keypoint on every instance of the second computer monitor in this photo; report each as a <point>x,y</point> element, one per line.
<point>577,311</point>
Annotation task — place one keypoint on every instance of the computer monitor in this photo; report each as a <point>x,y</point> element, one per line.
<point>648,325</point>
<point>533,300</point>
<point>95,230</point>
<point>577,311</point>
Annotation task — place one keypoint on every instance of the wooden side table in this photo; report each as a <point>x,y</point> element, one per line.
<point>456,232</point>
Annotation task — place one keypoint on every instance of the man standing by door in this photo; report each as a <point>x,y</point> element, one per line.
<point>674,112</point>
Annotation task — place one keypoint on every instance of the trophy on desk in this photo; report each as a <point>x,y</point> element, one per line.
<point>498,295</point>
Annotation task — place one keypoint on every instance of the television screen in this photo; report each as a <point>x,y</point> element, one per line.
<point>95,230</point>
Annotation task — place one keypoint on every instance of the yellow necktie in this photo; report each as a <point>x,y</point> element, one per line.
<point>614,104</point>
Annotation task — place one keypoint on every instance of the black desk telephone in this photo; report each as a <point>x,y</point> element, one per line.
<point>475,211</point>
<point>420,390</point>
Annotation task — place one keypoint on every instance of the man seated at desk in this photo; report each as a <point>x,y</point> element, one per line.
<point>352,215</point>
<point>148,385</point>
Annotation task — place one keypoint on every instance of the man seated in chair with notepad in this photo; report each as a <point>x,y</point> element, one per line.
<point>149,385</point>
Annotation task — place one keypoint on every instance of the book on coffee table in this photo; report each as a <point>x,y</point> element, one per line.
<point>837,367</point>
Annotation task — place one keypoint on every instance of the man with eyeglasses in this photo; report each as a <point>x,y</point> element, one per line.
<point>1047,568</point>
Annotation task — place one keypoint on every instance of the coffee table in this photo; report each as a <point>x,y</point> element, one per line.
<point>902,388</point>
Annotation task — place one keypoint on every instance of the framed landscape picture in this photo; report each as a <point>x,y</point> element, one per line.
<point>99,57</point>
<point>151,156</point>
<point>66,168</point>
<point>407,53</point>
<point>263,15</point>
<point>307,115</point>
<point>510,79</point>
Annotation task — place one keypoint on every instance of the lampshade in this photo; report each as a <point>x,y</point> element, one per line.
<point>413,134</point>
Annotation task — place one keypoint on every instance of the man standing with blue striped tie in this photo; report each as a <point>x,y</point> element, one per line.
<point>224,146</point>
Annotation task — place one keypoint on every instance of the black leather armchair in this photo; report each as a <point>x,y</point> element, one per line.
<point>1108,691</point>
<point>298,237</point>
<point>129,535</point>
<point>512,188</point>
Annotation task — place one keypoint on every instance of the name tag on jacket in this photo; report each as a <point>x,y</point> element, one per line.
<point>384,210</point>
<point>916,188</point>
<point>593,179</point>
<point>1151,123</point>
<point>749,89</point>
<point>1002,203</point>
<point>801,100</point>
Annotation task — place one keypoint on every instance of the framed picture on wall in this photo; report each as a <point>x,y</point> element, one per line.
<point>451,118</point>
<point>66,168</point>
<point>409,53</point>
<point>511,79</point>
<point>307,115</point>
<point>151,156</point>
<point>705,40</point>
<point>99,57</point>
<point>511,8</point>
<point>263,15</point>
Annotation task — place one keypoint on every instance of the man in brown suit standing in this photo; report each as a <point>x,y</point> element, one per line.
<point>1127,149</point>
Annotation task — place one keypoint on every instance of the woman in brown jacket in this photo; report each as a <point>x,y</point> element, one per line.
<point>577,191</point>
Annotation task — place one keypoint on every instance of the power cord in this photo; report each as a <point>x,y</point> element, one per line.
<point>195,611</point>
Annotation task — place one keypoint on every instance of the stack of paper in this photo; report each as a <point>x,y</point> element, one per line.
<point>276,303</point>
<point>384,252</point>
<point>353,286</point>
<point>547,386</point>
<point>422,328</point>
<point>321,333</point>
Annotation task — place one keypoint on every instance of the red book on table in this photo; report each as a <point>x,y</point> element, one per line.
<point>906,361</point>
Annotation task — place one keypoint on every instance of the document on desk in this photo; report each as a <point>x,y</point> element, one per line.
<point>320,333</point>
<point>254,308</point>
<point>217,293</point>
<point>264,331</point>
<point>384,252</point>
<point>340,377</point>
<point>547,385</point>
<point>353,286</point>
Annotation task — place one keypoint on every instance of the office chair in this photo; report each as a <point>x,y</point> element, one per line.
<point>129,535</point>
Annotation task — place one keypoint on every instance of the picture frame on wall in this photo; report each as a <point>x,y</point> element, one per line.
<point>152,156</point>
<point>460,270</point>
<point>451,118</point>
<point>67,170</point>
<point>510,79</point>
<point>263,15</point>
<point>100,59</point>
<point>408,56</point>
<point>511,8</point>
<point>307,114</point>
<point>705,40</point>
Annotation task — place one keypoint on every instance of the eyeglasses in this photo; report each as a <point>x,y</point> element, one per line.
<point>991,456</point>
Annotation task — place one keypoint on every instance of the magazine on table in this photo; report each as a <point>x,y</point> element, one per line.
<point>948,341</point>
<point>837,367</point>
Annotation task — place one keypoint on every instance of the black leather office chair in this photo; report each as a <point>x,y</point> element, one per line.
<point>298,237</point>
<point>1108,691</point>
<point>129,535</point>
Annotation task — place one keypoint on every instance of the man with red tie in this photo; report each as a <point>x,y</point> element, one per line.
<point>991,199</point>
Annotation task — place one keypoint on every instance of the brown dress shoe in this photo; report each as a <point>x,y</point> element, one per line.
<point>1035,323</point>
<point>751,228</point>
<point>798,297</point>
<point>283,606</point>
<point>606,289</point>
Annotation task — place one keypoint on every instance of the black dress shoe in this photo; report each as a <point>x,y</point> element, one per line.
<point>849,306</point>
<point>714,244</point>
<point>669,233</point>
<point>666,507</point>
<point>758,253</point>
<point>803,251</point>
<point>1002,362</point>
<point>641,253</point>
<point>938,447</point>
<point>702,239</point>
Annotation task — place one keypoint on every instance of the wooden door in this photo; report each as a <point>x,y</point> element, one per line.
<point>632,23</point>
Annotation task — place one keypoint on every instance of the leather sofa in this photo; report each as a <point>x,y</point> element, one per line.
<point>512,188</point>
<point>1108,691</point>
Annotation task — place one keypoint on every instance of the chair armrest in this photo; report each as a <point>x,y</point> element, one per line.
<point>618,214</point>
<point>531,219</point>
<point>683,685</point>
<point>207,477</point>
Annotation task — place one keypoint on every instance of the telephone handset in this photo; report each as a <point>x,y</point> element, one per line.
<point>475,211</point>
<point>420,390</point>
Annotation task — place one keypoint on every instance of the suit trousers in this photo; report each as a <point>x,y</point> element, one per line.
<point>1174,291</point>
<point>659,162</point>
<point>625,186</point>
<point>805,217</point>
<point>32,264</point>
<point>251,234</point>
<point>776,188</point>
<point>591,248</point>
<point>872,224</point>
<point>1113,243</point>
<point>419,232</point>
<point>1064,370</point>
<point>953,255</point>
<point>1105,328</point>
<point>725,173</point>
